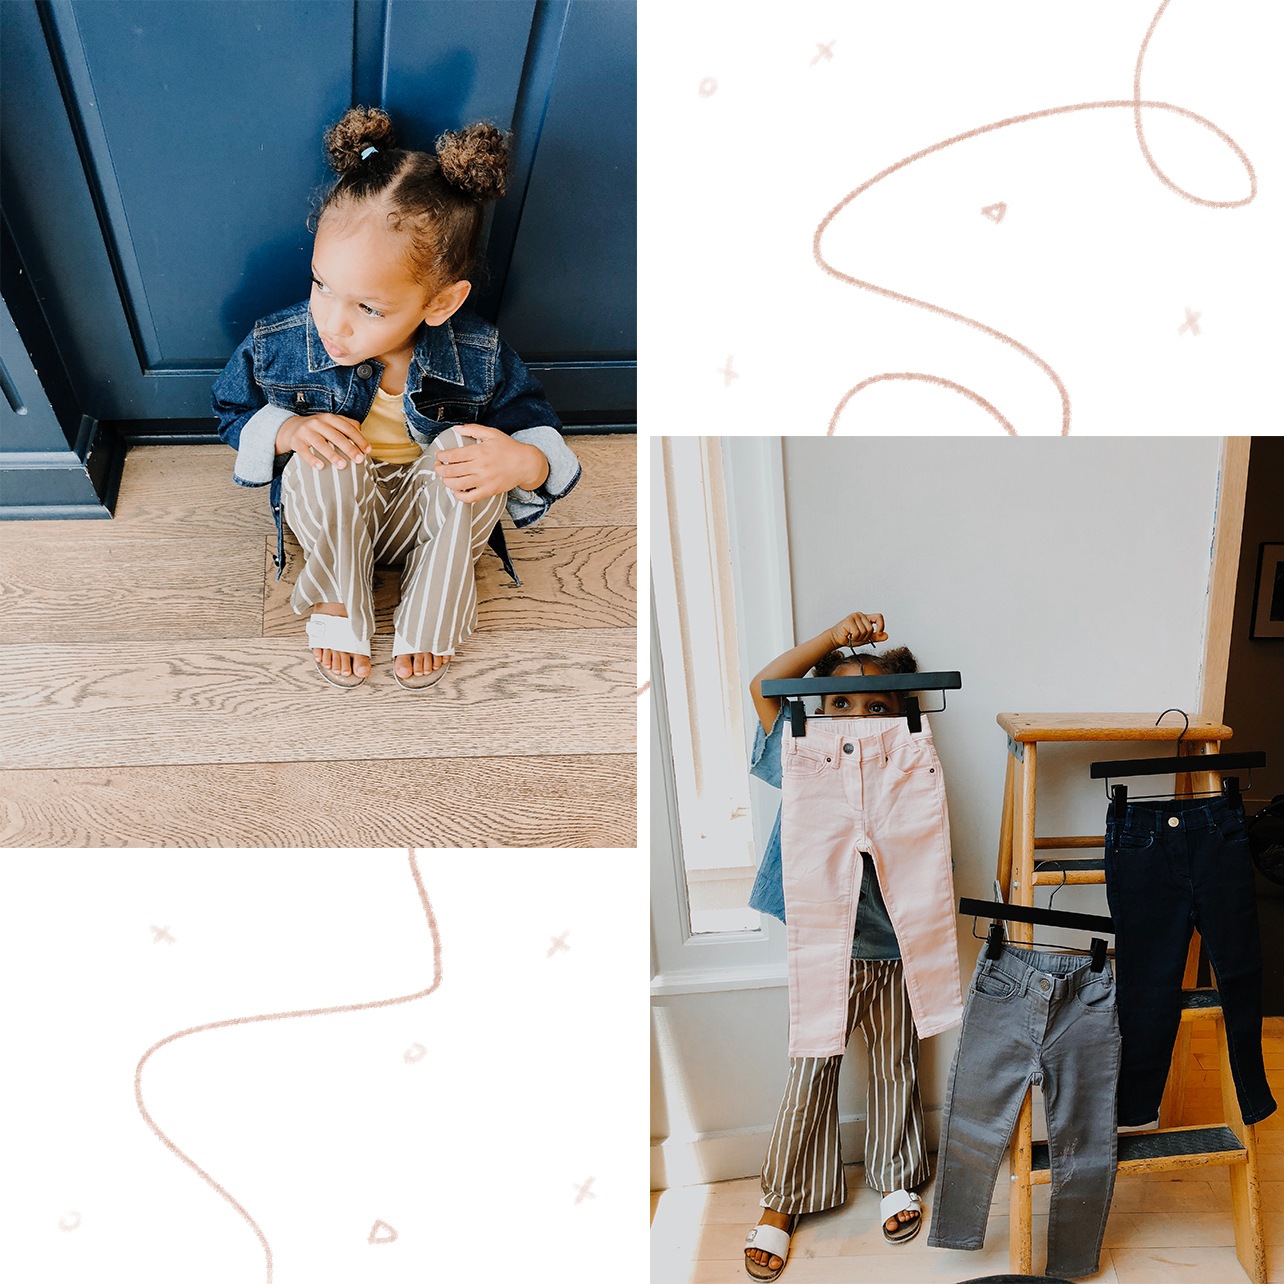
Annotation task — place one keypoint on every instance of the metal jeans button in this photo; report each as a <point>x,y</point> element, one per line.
<point>1173,822</point>
<point>848,748</point>
<point>365,370</point>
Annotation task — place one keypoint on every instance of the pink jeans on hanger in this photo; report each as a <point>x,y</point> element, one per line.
<point>854,785</point>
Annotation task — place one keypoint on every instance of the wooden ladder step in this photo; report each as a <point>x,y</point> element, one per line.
<point>1069,873</point>
<point>1198,1147</point>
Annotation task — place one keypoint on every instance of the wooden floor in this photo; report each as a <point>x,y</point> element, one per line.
<point>156,688</point>
<point>1164,1228</point>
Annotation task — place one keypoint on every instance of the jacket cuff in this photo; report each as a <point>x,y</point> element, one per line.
<point>256,449</point>
<point>527,506</point>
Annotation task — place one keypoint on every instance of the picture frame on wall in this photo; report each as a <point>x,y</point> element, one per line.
<point>1267,620</point>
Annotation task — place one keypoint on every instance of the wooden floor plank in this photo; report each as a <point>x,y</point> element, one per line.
<point>183,491</point>
<point>128,590</point>
<point>578,577</point>
<point>553,801</point>
<point>141,655</point>
<point>509,693</point>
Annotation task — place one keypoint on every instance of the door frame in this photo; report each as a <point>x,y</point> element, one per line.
<point>1228,530</point>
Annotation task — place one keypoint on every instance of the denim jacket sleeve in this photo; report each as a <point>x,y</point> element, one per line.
<point>246,421</point>
<point>518,407</point>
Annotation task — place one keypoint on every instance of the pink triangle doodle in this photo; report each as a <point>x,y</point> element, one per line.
<point>995,212</point>
<point>381,1233</point>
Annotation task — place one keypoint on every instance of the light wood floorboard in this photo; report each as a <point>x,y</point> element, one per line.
<point>163,639</point>
<point>587,800</point>
<point>1163,1228</point>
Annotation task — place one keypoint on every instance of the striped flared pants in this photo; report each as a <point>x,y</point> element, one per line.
<point>347,519</point>
<point>803,1171</point>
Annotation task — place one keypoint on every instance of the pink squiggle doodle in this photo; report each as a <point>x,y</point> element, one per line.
<point>282,1016</point>
<point>1135,105</point>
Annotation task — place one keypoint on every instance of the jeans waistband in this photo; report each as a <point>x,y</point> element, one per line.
<point>1049,975</point>
<point>1179,814</point>
<point>870,737</point>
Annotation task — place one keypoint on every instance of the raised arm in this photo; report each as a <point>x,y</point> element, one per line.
<point>852,630</point>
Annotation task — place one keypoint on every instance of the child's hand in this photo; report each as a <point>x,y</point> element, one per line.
<point>322,438</point>
<point>857,629</point>
<point>492,464</point>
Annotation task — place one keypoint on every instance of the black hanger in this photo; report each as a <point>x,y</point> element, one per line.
<point>1179,765</point>
<point>1000,911</point>
<point>912,712</point>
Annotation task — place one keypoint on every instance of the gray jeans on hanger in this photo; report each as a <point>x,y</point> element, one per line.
<point>1043,1018</point>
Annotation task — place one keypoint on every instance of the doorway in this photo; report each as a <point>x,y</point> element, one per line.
<point>1255,679</point>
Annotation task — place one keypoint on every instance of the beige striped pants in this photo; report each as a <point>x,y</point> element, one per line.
<point>803,1171</point>
<point>347,519</point>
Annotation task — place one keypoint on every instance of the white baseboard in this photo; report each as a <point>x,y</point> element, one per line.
<point>727,1156</point>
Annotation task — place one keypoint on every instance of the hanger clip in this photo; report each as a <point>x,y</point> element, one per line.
<point>994,941</point>
<point>1098,954</point>
<point>797,719</point>
<point>913,714</point>
<point>1119,799</point>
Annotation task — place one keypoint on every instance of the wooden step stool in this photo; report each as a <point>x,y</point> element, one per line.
<point>1021,869</point>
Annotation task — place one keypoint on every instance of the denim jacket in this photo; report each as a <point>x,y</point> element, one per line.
<point>462,372</point>
<point>874,937</point>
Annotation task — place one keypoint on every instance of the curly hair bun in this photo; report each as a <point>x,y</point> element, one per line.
<point>475,160</point>
<point>357,129</point>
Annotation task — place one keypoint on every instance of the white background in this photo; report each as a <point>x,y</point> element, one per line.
<point>750,133</point>
<point>512,1147</point>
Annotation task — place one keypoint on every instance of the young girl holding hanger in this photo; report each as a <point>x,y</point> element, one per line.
<point>391,425</point>
<point>803,1170</point>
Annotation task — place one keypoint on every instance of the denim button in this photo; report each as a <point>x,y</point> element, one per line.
<point>1173,822</point>
<point>365,370</point>
<point>848,748</point>
<point>1043,983</point>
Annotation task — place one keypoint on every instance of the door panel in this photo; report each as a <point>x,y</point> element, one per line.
<point>180,147</point>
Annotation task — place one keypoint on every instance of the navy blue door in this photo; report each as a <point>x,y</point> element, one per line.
<point>160,160</point>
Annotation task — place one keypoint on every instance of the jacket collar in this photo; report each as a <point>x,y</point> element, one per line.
<point>435,352</point>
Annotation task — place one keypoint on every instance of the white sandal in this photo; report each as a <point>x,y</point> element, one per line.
<point>901,1201</point>
<point>334,633</point>
<point>416,681</point>
<point>772,1240</point>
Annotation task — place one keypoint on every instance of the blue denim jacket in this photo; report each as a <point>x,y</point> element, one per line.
<point>874,937</point>
<point>461,372</point>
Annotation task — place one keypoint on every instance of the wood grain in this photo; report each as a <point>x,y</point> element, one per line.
<point>511,693</point>
<point>552,801</point>
<point>1029,727</point>
<point>94,587</point>
<point>156,688</point>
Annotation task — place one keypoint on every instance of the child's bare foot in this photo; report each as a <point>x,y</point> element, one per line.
<point>410,666</point>
<point>343,664</point>
<point>416,670</point>
<point>760,1256</point>
<point>906,1221</point>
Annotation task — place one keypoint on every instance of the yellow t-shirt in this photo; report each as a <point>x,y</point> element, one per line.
<point>385,429</point>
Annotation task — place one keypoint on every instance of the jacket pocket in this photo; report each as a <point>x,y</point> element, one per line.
<point>300,400</point>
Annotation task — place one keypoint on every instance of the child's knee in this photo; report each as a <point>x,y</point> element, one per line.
<point>450,439</point>
<point>330,488</point>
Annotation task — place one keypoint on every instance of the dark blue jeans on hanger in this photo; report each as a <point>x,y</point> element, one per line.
<point>1171,865</point>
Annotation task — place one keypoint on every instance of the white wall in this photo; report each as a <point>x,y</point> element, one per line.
<point>1055,575</point>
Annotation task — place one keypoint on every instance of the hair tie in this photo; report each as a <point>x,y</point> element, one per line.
<point>369,151</point>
